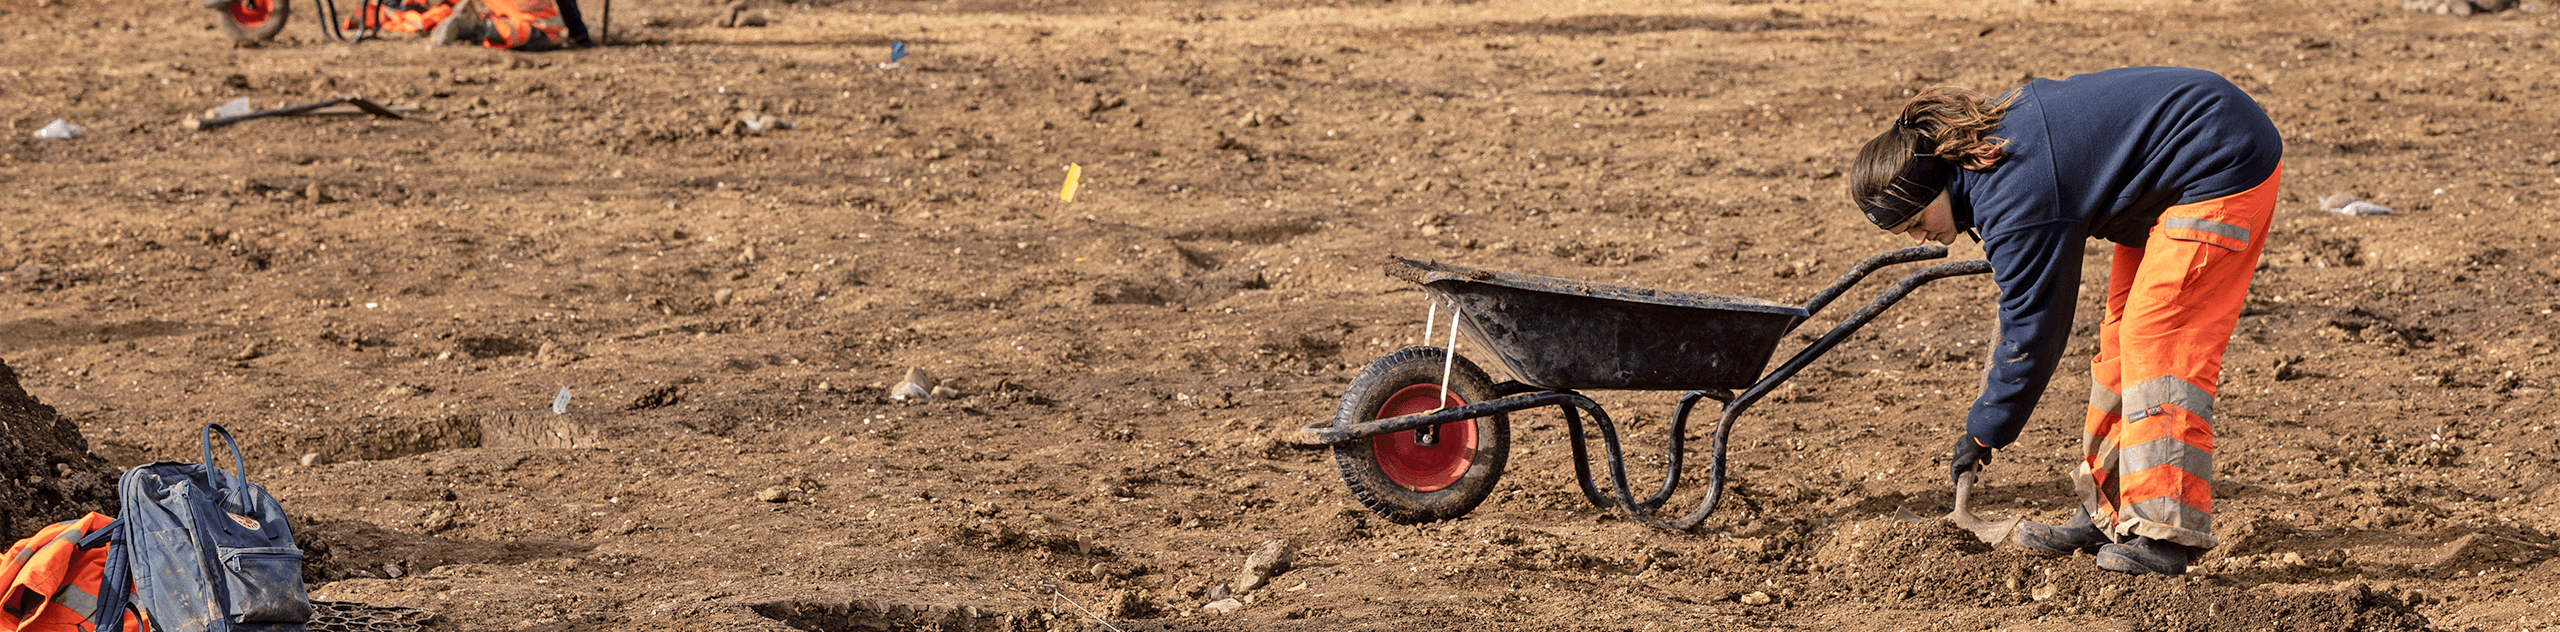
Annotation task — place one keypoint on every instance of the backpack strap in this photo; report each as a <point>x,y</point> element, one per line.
<point>234,491</point>
<point>115,587</point>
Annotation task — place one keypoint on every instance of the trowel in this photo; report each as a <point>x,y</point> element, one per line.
<point>1994,529</point>
<point>237,111</point>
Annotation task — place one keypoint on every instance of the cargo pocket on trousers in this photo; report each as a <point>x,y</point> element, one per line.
<point>265,584</point>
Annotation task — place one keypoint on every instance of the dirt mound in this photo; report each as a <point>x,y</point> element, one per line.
<point>2353,606</point>
<point>1932,562</point>
<point>46,471</point>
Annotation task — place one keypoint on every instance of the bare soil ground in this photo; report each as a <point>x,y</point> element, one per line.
<point>402,300</point>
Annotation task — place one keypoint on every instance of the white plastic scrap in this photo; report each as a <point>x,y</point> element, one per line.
<point>916,388</point>
<point>60,130</point>
<point>2344,204</point>
<point>234,107</point>
<point>560,403</point>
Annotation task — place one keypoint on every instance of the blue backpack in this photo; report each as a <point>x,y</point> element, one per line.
<point>198,549</point>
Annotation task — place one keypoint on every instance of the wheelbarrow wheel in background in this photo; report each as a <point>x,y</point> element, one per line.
<point>1396,477</point>
<point>257,20</point>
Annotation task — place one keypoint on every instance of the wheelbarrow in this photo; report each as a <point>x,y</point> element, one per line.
<point>1422,434</point>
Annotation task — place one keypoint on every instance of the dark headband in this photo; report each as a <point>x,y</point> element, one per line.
<point>1918,183</point>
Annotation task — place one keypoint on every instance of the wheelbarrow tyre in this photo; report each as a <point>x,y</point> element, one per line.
<point>1400,480</point>
<point>257,20</point>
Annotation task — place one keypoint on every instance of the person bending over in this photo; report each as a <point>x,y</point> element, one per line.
<point>2177,167</point>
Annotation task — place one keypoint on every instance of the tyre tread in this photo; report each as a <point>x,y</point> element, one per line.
<point>1358,462</point>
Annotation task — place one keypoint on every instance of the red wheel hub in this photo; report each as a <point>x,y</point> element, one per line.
<point>251,13</point>
<point>1419,467</point>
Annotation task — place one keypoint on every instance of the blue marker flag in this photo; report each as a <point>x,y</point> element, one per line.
<point>897,51</point>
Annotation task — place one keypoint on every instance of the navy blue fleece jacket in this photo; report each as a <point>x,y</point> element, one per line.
<point>2095,155</point>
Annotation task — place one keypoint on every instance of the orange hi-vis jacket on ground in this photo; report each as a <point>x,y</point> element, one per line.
<point>53,583</point>
<point>513,24</point>
<point>528,24</point>
<point>404,18</point>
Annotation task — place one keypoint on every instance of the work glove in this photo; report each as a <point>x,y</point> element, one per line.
<point>1970,455</point>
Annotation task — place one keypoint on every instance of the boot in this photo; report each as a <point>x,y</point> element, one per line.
<point>576,23</point>
<point>2146,555</point>
<point>2072,536</point>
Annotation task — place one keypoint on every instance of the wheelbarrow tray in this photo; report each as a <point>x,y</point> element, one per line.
<point>1564,334</point>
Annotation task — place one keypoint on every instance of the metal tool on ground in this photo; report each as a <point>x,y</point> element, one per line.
<point>1422,433</point>
<point>360,104</point>
<point>1994,530</point>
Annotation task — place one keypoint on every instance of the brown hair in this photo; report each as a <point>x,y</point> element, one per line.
<point>1944,120</point>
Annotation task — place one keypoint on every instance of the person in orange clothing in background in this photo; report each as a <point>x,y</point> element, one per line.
<point>2179,168</point>
<point>404,16</point>
<point>523,25</point>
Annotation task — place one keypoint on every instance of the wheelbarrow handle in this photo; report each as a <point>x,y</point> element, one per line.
<point>1857,320</point>
<point>1859,273</point>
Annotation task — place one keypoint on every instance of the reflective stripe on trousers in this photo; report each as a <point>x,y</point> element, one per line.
<point>2147,465</point>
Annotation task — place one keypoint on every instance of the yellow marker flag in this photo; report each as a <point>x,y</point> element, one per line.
<point>1068,193</point>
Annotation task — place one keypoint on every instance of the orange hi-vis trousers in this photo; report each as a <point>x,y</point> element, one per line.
<point>2171,306</point>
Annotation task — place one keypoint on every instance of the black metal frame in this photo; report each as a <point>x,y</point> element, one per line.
<point>365,29</point>
<point>1515,396</point>
<point>328,17</point>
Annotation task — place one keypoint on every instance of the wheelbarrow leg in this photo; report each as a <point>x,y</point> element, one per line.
<point>1642,512</point>
<point>1679,442</point>
<point>1625,498</point>
<point>1615,452</point>
<point>1582,459</point>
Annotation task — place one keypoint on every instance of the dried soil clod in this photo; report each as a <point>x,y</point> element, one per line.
<point>1270,561</point>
